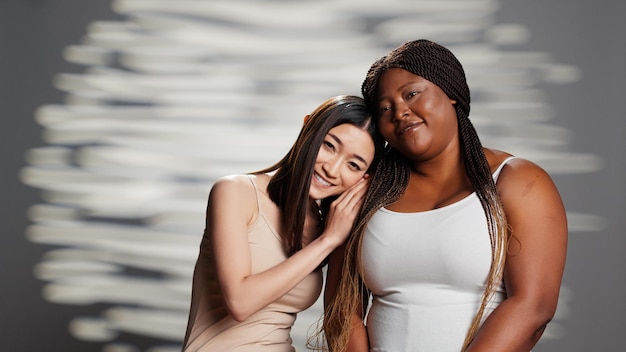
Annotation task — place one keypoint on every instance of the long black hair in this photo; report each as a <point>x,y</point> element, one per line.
<point>290,184</point>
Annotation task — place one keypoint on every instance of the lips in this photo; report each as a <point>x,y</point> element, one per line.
<point>406,127</point>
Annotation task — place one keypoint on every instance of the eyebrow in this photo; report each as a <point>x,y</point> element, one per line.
<point>341,143</point>
<point>404,86</point>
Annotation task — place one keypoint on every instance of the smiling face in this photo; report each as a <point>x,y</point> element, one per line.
<point>415,116</point>
<point>344,156</point>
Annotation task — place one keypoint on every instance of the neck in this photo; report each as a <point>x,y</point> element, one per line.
<point>447,164</point>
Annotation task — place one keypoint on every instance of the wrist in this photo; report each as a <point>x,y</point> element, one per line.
<point>330,241</point>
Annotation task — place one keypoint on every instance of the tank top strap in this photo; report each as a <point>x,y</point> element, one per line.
<point>261,212</point>
<point>499,169</point>
<point>256,193</point>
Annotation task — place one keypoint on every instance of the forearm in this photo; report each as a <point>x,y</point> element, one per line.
<point>358,341</point>
<point>250,294</point>
<point>515,325</point>
<point>355,341</point>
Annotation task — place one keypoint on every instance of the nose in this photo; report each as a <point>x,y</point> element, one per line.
<point>331,167</point>
<point>401,111</point>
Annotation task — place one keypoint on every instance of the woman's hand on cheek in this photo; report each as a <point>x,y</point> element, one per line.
<point>343,211</point>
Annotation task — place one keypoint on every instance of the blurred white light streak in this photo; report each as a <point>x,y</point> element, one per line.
<point>507,34</point>
<point>92,329</point>
<point>174,269</point>
<point>54,270</point>
<point>89,55</point>
<point>121,239</point>
<point>421,8</point>
<point>586,222</point>
<point>156,323</point>
<point>285,15</point>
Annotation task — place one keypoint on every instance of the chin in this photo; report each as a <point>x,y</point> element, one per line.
<point>322,195</point>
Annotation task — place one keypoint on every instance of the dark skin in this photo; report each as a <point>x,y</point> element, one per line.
<point>418,119</point>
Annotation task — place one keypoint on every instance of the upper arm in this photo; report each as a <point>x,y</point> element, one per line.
<point>230,209</point>
<point>538,243</point>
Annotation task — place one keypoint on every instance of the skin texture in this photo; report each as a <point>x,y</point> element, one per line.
<point>418,119</point>
<point>342,161</point>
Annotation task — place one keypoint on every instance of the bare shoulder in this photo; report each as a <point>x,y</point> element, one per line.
<point>519,177</point>
<point>522,184</point>
<point>515,169</point>
<point>495,158</point>
<point>520,171</point>
<point>232,197</point>
<point>234,192</point>
<point>232,184</point>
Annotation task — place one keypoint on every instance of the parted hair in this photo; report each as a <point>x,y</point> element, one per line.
<point>290,184</point>
<point>438,65</point>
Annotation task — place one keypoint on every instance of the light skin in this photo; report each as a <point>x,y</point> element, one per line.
<point>419,120</point>
<point>340,168</point>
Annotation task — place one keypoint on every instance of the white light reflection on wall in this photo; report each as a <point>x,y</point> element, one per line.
<point>180,93</point>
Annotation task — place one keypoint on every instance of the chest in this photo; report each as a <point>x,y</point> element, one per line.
<point>267,251</point>
<point>423,194</point>
<point>446,246</point>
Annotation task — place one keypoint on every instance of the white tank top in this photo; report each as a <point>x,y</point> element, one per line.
<point>427,272</point>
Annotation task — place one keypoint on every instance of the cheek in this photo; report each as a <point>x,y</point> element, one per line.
<point>322,155</point>
<point>442,107</point>
<point>351,178</point>
<point>386,129</point>
<point>449,120</point>
<point>389,134</point>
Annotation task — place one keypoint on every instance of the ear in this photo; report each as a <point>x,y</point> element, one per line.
<point>452,101</point>
<point>306,118</point>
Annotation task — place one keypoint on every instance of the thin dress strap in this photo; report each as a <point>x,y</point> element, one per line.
<point>497,172</point>
<point>256,193</point>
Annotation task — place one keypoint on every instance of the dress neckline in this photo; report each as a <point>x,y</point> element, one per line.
<point>458,203</point>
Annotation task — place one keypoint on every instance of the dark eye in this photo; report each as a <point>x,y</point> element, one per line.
<point>354,166</point>
<point>384,109</point>
<point>329,145</point>
<point>411,94</point>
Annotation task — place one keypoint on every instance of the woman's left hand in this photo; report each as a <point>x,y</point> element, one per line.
<point>343,211</point>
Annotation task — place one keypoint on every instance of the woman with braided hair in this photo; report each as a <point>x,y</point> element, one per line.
<point>267,233</point>
<point>461,247</point>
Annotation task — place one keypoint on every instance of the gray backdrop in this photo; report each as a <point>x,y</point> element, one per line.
<point>588,35</point>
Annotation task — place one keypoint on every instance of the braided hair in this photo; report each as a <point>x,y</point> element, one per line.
<point>439,66</point>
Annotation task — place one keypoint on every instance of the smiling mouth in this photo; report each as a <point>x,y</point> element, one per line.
<point>320,180</point>
<point>408,127</point>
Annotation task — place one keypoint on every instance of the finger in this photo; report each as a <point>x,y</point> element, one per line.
<point>354,197</point>
<point>350,191</point>
<point>357,190</point>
